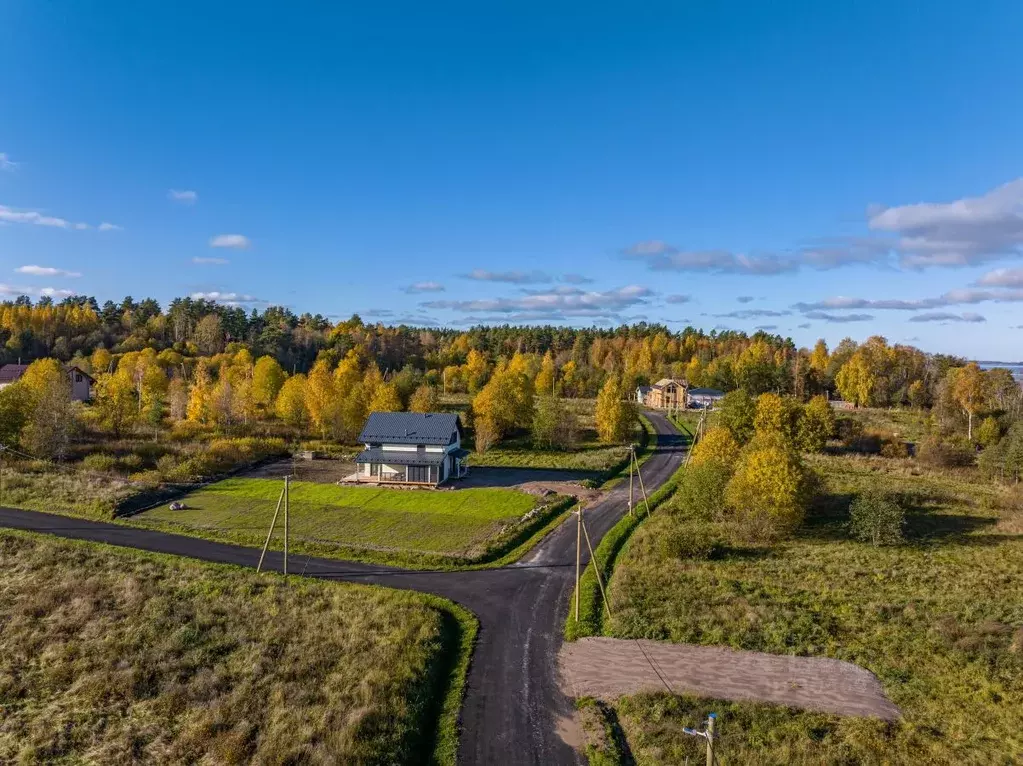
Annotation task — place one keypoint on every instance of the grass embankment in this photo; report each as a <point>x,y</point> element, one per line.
<point>591,604</point>
<point>939,620</point>
<point>117,656</point>
<point>387,525</point>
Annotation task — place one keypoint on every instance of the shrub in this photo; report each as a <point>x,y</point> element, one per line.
<point>701,492</point>
<point>894,448</point>
<point>693,541</point>
<point>876,518</point>
<point>187,430</point>
<point>224,455</point>
<point>817,425</point>
<point>951,453</point>
<point>736,413</point>
<point>768,495</point>
<point>717,446</point>
<point>779,414</point>
<point>100,462</point>
<point>988,432</point>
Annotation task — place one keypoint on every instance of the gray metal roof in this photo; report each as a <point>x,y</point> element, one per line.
<point>12,372</point>
<point>394,457</point>
<point>410,428</point>
<point>705,392</point>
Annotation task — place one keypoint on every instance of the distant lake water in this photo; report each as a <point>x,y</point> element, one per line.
<point>1015,369</point>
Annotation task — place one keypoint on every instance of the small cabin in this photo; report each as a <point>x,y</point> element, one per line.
<point>81,381</point>
<point>414,448</point>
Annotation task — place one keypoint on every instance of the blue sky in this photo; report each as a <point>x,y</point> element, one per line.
<point>818,169</point>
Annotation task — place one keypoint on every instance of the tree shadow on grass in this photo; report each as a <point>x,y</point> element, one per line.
<point>828,518</point>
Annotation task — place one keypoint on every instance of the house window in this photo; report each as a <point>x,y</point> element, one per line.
<point>78,377</point>
<point>420,473</point>
<point>374,469</point>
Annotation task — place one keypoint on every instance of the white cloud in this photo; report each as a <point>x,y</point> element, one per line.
<point>766,327</point>
<point>945,316</point>
<point>210,261</point>
<point>228,298</point>
<point>660,256</point>
<point>1002,278</point>
<point>425,287</point>
<point>678,298</point>
<point>109,227</point>
<point>745,299</point>
<point>553,305</point>
<point>13,290</point>
<point>53,292</point>
<point>964,232</point>
<point>838,318</point>
<point>236,241</point>
<point>184,196</point>
<point>512,277</point>
<point>752,314</point>
<point>46,271</point>
<point>10,215</point>
<point>967,296</point>
<point>6,163</point>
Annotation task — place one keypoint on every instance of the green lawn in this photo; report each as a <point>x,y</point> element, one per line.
<point>116,656</point>
<point>939,620</point>
<point>449,522</point>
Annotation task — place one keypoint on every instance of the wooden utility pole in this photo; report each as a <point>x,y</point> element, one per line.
<point>707,734</point>
<point>596,570</point>
<point>632,462</point>
<point>646,501</point>
<point>269,534</point>
<point>578,556</point>
<point>287,498</point>
<point>710,738</point>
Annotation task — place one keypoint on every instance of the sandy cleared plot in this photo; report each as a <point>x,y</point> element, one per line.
<point>371,517</point>
<point>607,668</point>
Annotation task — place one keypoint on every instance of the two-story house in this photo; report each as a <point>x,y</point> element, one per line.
<point>411,448</point>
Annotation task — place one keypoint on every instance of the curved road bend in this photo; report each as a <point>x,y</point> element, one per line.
<point>514,710</point>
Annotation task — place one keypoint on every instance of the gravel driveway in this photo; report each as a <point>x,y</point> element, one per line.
<point>606,668</point>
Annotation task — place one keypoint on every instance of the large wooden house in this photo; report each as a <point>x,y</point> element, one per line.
<point>411,448</point>
<point>665,394</point>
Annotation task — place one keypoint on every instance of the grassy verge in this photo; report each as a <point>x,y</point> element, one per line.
<point>409,528</point>
<point>109,654</point>
<point>938,619</point>
<point>591,605</point>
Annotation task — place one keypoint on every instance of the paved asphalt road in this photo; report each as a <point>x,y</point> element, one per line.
<point>513,708</point>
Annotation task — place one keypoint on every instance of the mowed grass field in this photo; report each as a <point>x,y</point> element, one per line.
<point>939,620</point>
<point>455,523</point>
<point>118,657</point>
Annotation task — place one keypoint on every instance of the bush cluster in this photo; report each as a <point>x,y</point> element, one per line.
<point>693,541</point>
<point>877,518</point>
<point>945,453</point>
<point>219,457</point>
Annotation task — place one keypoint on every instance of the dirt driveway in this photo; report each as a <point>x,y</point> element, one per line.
<point>611,667</point>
